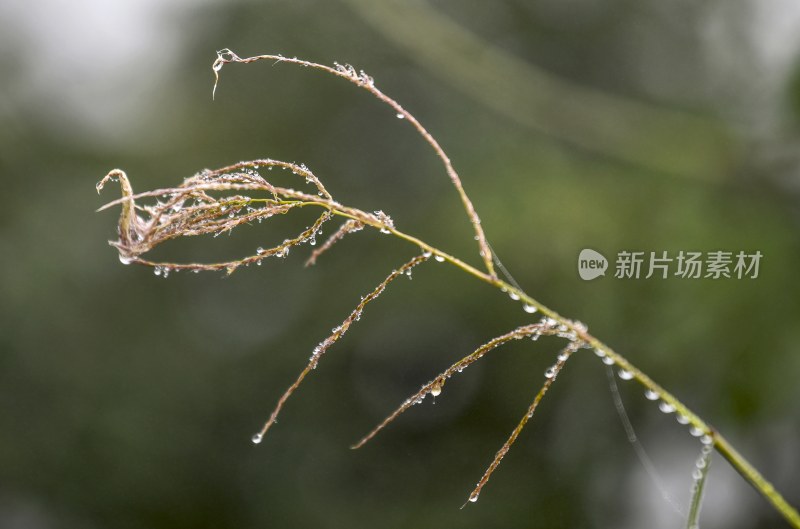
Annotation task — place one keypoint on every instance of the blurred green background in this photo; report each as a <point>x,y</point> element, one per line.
<point>128,401</point>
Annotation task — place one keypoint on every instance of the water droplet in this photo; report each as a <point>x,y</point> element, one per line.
<point>706,439</point>
<point>474,497</point>
<point>666,407</point>
<point>514,296</point>
<point>550,372</point>
<point>650,395</point>
<point>607,360</point>
<point>436,389</point>
<point>157,270</point>
<point>260,250</point>
<point>439,258</point>
<point>697,474</point>
<point>400,115</point>
<point>695,431</point>
<point>624,374</point>
<point>125,260</point>
<point>599,353</point>
<point>530,309</point>
<point>166,272</point>
<point>426,253</point>
<point>562,357</point>
<point>256,438</point>
<point>682,419</point>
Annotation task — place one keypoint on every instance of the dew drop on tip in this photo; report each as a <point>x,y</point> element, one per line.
<point>256,438</point>
<point>650,395</point>
<point>473,498</point>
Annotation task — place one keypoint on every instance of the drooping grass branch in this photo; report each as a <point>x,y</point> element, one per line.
<point>217,201</point>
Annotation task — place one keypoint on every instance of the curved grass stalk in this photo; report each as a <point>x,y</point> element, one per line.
<point>193,208</point>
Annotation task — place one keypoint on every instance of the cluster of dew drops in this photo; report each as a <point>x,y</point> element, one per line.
<point>663,406</point>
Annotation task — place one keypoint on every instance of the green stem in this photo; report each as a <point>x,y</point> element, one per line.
<point>747,471</point>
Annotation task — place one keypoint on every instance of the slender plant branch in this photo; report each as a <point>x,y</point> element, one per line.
<point>202,205</point>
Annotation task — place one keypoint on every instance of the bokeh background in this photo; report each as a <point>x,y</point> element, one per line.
<point>128,401</point>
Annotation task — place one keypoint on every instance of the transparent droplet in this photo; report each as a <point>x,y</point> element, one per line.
<point>562,357</point>
<point>530,309</point>
<point>607,360</point>
<point>624,374</point>
<point>514,296</point>
<point>682,419</point>
<point>256,438</point>
<point>600,353</point>
<point>550,372</point>
<point>260,250</point>
<point>697,474</point>
<point>650,395</point>
<point>400,115</point>
<point>474,497</point>
<point>695,431</point>
<point>125,260</point>
<point>426,253</point>
<point>436,389</point>
<point>439,258</point>
<point>706,439</point>
<point>157,270</point>
<point>666,407</point>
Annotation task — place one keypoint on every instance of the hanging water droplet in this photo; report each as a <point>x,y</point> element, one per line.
<point>706,439</point>
<point>695,431</point>
<point>514,296</point>
<point>436,389</point>
<point>682,419</point>
<point>650,395</point>
<point>563,356</point>
<point>550,372</point>
<point>600,353</point>
<point>125,260</point>
<point>624,374</point>
<point>666,407</point>
<point>256,438</point>
<point>697,474</point>
<point>530,309</point>
<point>439,258</point>
<point>166,272</point>
<point>426,254</point>
<point>474,497</point>
<point>400,115</point>
<point>260,250</point>
<point>157,270</point>
<point>607,360</point>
